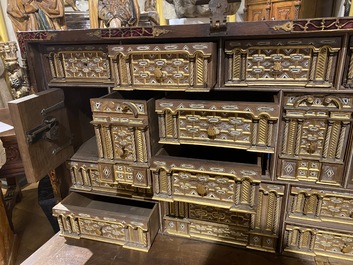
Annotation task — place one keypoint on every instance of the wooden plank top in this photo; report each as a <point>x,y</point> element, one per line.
<point>166,250</point>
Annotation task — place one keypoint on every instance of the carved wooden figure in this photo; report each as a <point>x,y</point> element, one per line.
<point>29,15</point>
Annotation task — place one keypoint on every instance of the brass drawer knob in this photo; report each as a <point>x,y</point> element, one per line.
<point>201,190</point>
<point>311,147</point>
<point>347,249</point>
<point>121,151</point>
<point>212,131</point>
<point>158,73</point>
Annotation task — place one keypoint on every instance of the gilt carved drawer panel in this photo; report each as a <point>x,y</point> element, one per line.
<point>225,233</point>
<point>90,175</point>
<point>243,125</point>
<point>259,231</point>
<point>183,66</point>
<point>77,64</point>
<point>326,207</point>
<point>314,241</point>
<point>310,171</point>
<point>124,129</point>
<point>315,131</point>
<point>205,222</point>
<point>292,62</point>
<point>232,186</point>
<point>130,223</point>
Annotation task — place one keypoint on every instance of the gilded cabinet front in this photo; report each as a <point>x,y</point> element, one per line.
<point>324,206</point>
<point>83,64</point>
<point>294,62</point>
<point>234,187</point>
<point>175,66</point>
<point>314,241</point>
<point>250,126</point>
<point>122,129</point>
<point>315,131</point>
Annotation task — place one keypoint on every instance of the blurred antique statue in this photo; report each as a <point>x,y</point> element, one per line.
<point>192,9</point>
<point>72,4</point>
<point>114,13</point>
<point>17,84</point>
<point>29,15</point>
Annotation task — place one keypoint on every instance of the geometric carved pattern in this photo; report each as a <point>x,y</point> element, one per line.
<point>312,241</point>
<point>198,220</point>
<point>79,65</point>
<point>168,67</point>
<point>75,220</point>
<point>208,213</point>
<point>122,129</point>
<point>321,205</point>
<point>316,127</point>
<point>249,126</point>
<point>301,65</point>
<point>121,178</point>
<point>212,185</point>
<point>310,171</point>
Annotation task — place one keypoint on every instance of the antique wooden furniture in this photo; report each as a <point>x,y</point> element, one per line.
<point>256,10</point>
<point>240,133</point>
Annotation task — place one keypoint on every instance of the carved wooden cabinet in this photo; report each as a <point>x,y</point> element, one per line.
<point>241,137</point>
<point>256,10</point>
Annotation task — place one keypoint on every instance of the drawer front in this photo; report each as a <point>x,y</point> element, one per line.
<point>206,230</point>
<point>88,64</point>
<point>234,188</point>
<point>206,214</point>
<point>112,179</point>
<point>187,219</point>
<point>189,67</point>
<point>311,241</point>
<point>249,126</point>
<point>321,206</point>
<point>316,127</point>
<point>294,62</point>
<point>134,227</point>
<point>310,171</point>
<point>122,129</point>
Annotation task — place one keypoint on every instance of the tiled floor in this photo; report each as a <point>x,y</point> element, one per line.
<point>30,223</point>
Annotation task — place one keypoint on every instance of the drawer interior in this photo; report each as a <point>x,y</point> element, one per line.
<point>211,153</point>
<point>242,96</point>
<point>88,151</point>
<point>108,206</point>
<point>133,95</point>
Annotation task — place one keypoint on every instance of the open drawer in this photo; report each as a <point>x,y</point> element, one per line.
<point>88,174</point>
<point>229,185</point>
<point>130,223</point>
<point>234,124</point>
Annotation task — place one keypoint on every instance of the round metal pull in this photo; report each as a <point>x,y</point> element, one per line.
<point>346,249</point>
<point>201,190</point>
<point>158,74</point>
<point>212,131</point>
<point>311,147</point>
